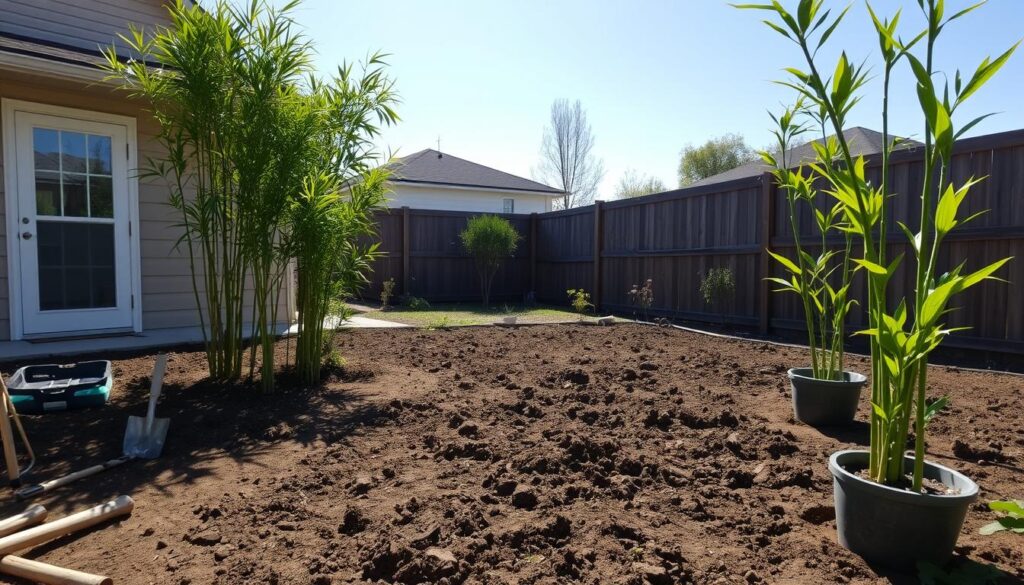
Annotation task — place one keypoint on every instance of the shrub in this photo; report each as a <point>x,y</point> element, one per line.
<point>580,301</point>
<point>718,286</point>
<point>489,239</point>
<point>416,303</point>
<point>387,290</point>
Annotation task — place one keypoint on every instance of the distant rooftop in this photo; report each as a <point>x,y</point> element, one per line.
<point>437,168</point>
<point>863,142</point>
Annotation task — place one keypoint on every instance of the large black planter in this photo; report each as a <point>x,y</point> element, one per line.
<point>894,527</point>
<point>825,402</point>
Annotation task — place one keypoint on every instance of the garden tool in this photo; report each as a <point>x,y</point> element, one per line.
<point>144,437</point>
<point>7,414</point>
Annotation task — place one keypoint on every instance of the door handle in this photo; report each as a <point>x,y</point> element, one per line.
<point>26,235</point>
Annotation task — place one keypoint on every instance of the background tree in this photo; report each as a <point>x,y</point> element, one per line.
<point>633,184</point>
<point>489,239</point>
<point>566,160</point>
<point>714,156</point>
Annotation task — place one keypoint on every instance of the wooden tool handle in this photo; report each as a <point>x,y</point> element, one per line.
<point>48,574</point>
<point>31,491</point>
<point>7,436</point>
<point>156,384</point>
<point>119,506</point>
<point>32,515</point>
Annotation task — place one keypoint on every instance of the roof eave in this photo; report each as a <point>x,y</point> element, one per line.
<point>468,187</point>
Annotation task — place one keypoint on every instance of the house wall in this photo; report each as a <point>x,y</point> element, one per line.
<point>448,199</point>
<point>83,24</point>
<point>167,298</point>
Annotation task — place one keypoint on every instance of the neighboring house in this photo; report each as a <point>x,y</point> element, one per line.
<point>863,142</point>
<point>89,245</point>
<point>430,179</point>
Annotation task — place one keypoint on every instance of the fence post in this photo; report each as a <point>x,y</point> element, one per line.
<point>598,241</point>
<point>533,255</point>
<point>405,251</point>
<point>765,239</point>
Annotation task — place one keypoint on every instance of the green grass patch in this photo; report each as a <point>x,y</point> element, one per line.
<point>462,314</point>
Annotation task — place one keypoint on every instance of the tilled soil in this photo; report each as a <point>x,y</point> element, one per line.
<point>548,454</point>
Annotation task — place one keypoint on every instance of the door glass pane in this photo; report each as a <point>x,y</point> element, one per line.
<point>99,155</point>
<point>76,200</point>
<point>46,150</point>
<point>47,193</point>
<point>76,265</point>
<point>84,187</point>
<point>72,152</point>
<point>101,196</point>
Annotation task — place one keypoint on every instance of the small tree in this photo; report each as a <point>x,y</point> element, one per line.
<point>633,184</point>
<point>714,156</point>
<point>717,286</point>
<point>489,239</point>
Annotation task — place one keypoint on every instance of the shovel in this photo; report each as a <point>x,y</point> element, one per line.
<point>144,437</point>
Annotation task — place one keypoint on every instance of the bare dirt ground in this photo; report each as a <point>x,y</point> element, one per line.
<point>548,454</point>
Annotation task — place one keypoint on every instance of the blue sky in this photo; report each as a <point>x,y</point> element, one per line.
<point>653,75</point>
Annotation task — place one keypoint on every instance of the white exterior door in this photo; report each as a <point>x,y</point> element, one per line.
<point>73,235</point>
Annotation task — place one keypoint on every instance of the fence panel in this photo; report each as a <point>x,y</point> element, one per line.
<point>674,238</point>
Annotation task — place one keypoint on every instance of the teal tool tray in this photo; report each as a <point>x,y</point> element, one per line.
<point>44,388</point>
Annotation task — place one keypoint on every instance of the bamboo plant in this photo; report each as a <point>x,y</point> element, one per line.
<point>252,136</point>
<point>825,305</point>
<point>901,336</point>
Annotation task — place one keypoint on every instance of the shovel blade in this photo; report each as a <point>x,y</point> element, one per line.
<point>140,444</point>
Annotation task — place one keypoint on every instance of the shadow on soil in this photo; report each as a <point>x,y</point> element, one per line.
<point>857,432</point>
<point>959,571</point>
<point>211,425</point>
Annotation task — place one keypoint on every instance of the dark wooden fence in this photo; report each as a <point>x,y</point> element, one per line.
<point>423,253</point>
<point>674,238</point>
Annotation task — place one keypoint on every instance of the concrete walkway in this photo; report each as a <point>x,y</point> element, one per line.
<point>360,322</point>
<point>157,338</point>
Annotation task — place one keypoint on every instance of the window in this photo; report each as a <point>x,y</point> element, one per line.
<point>509,205</point>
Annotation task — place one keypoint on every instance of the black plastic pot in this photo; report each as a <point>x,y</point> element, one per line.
<point>825,402</point>
<point>894,527</point>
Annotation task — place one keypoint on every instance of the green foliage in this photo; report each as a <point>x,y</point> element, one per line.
<point>718,285</point>
<point>416,303</point>
<point>1012,520</point>
<point>821,281</point>
<point>489,239</point>
<point>715,156</point>
<point>579,299</point>
<point>387,291</point>
<point>252,137</point>
<point>442,322</point>
<point>331,264</point>
<point>901,337</point>
<point>635,185</point>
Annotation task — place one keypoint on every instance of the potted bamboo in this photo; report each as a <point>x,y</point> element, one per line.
<point>824,393</point>
<point>894,508</point>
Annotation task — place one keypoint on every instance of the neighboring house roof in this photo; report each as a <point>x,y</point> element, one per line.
<point>432,167</point>
<point>863,142</point>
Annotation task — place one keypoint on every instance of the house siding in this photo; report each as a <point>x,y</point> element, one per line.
<point>82,24</point>
<point>440,198</point>
<point>167,296</point>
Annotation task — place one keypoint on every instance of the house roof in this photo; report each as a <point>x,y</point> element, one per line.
<point>863,142</point>
<point>436,168</point>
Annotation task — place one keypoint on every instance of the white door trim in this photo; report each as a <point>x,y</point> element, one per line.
<point>7,109</point>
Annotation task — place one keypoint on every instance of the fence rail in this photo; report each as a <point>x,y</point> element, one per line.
<point>675,237</point>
